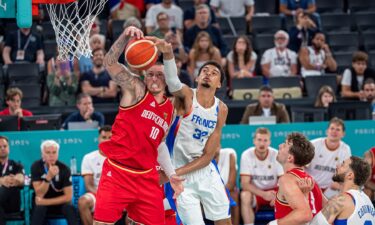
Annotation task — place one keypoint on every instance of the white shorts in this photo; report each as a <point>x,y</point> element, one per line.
<point>204,187</point>
<point>91,196</point>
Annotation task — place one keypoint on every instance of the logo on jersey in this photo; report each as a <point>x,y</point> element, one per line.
<point>109,174</point>
<point>152,104</point>
<point>211,124</point>
<point>165,115</point>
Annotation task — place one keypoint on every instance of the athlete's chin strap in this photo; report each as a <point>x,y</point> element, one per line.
<point>319,219</point>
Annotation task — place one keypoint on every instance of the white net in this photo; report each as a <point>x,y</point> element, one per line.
<point>72,23</point>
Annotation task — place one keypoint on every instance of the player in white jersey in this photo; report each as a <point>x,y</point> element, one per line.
<point>259,171</point>
<point>352,206</point>
<point>279,61</point>
<point>91,170</point>
<point>329,152</point>
<point>201,118</point>
<point>316,58</point>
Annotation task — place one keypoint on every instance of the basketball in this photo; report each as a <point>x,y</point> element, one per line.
<point>141,54</point>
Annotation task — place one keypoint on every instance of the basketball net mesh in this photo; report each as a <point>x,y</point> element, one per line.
<point>72,23</point>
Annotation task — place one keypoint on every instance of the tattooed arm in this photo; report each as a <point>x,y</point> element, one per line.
<point>339,207</point>
<point>133,88</point>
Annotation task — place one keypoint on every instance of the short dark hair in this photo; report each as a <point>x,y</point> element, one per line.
<point>218,66</point>
<point>5,138</point>
<point>369,81</point>
<point>105,128</point>
<point>266,88</point>
<point>317,33</point>
<point>81,96</point>
<point>12,92</point>
<point>302,149</point>
<point>361,170</point>
<point>338,121</point>
<point>98,49</point>
<point>360,56</point>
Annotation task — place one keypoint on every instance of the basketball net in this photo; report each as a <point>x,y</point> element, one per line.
<point>72,23</point>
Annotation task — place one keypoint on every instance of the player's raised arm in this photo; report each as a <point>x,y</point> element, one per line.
<point>212,144</point>
<point>175,86</point>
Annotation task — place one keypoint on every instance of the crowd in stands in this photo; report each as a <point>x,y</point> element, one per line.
<point>273,40</point>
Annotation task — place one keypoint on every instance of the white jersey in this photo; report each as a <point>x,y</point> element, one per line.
<point>314,59</point>
<point>280,62</point>
<point>364,212</point>
<point>264,173</point>
<point>224,163</point>
<point>193,132</point>
<point>323,165</point>
<point>92,164</point>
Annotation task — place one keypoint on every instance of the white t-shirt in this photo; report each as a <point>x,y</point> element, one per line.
<point>224,163</point>
<point>323,165</point>
<point>175,14</point>
<point>264,174</point>
<point>92,164</point>
<point>314,59</point>
<point>254,57</point>
<point>234,8</point>
<point>347,79</point>
<point>281,62</point>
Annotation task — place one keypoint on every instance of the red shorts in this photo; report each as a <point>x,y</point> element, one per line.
<point>138,192</point>
<point>261,201</point>
<point>170,217</point>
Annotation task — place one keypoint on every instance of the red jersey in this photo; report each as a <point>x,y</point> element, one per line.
<point>6,112</point>
<point>372,151</point>
<point>282,208</point>
<point>137,132</point>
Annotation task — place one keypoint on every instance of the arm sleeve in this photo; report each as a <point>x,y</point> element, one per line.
<point>171,77</point>
<point>164,160</point>
<point>347,78</point>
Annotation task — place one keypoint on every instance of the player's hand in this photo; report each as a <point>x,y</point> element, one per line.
<point>133,31</point>
<point>162,177</point>
<point>269,195</point>
<point>177,185</point>
<point>18,112</point>
<point>39,200</point>
<point>161,45</point>
<point>306,185</point>
<point>53,170</point>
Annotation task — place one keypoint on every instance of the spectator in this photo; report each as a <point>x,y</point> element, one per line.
<point>226,159</point>
<point>241,60</point>
<point>259,174</point>
<point>14,99</point>
<point>163,26</point>
<point>97,82</point>
<point>85,63</point>
<point>266,107</point>
<point>293,8</point>
<point>325,96</point>
<point>23,46</point>
<point>279,61</point>
<point>11,182</point>
<point>203,50</point>
<point>149,3</point>
<point>62,83</point>
<point>178,48</point>
<point>189,15</point>
<point>301,34</point>
<point>91,170</point>
<point>174,12</point>
<point>52,184</point>
<point>369,92</point>
<point>202,23</point>
<point>125,10</point>
<point>354,77</point>
<point>329,152</point>
<point>85,113</point>
<point>369,187</point>
<point>315,59</point>
<point>236,8</point>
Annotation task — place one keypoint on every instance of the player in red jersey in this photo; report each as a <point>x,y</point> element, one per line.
<point>129,177</point>
<point>370,184</point>
<point>292,206</point>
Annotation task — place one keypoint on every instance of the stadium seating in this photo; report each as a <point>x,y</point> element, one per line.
<point>246,88</point>
<point>313,84</point>
<point>266,24</point>
<point>23,73</point>
<point>343,60</point>
<point>324,6</point>
<point>266,6</point>
<point>286,87</point>
<point>263,42</point>
<point>365,21</point>
<point>335,22</point>
<point>308,114</point>
<point>361,5</point>
<point>49,49</point>
<point>343,41</point>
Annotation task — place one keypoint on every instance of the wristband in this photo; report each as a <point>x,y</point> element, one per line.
<point>273,222</point>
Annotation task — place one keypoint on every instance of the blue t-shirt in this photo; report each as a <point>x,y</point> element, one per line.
<point>77,117</point>
<point>100,80</point>
<point>293,4</point>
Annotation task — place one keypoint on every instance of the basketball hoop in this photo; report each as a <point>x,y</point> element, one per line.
<point>72,21</point>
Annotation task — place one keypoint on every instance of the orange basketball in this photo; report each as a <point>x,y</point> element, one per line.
<point>141,54</point>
